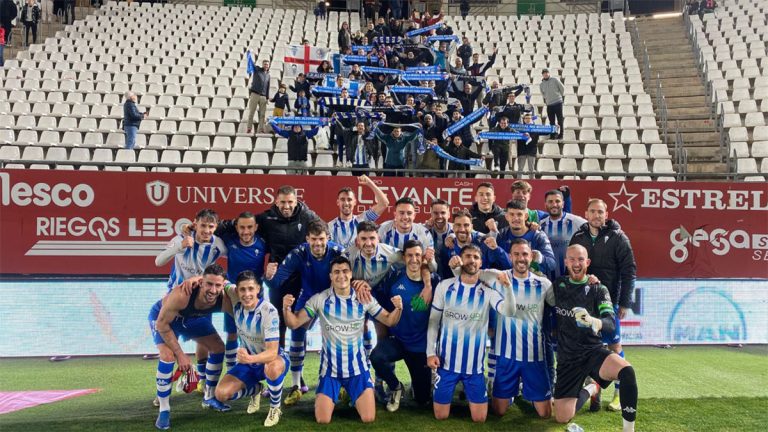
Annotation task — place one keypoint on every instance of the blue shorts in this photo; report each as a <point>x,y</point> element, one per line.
<point>613,338</point>
<point>252,374</point>
<point>535,376</point>
<point>183,328</point>
<point>474,387</point>
<point>355,386</point>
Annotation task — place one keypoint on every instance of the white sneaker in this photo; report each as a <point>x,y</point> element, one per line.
<point>255,402</point>
<point>394,398</point>
<point>339,164</point>
<point>273,417</point>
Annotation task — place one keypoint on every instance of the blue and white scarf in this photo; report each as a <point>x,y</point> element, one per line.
<point>302,121</point>
<point>423,69</point>
<point>423,30</point>
<point>535,128</point>
<point>503,136</point>
<point>387,40</point>
<point>411,90</point>
<point>352,59</point>
<point>380,70</point>
<point>442,154</point>
<point>424,76</point>
<point>366,48</point>
<point>443,38</point>
<point>466,121</point>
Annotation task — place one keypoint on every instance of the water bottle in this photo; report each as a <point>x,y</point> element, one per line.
<point>573,427</point>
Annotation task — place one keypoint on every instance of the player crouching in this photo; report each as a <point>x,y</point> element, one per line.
<point>188,314</point>
<point>258,328</point>
<point>583,311</point>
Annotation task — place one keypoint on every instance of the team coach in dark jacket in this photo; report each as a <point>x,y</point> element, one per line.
<point>283,226</point>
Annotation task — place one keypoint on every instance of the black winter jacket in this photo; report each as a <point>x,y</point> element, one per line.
<point>613,261</point>
<point>283,234</point>
<point>479,218</point>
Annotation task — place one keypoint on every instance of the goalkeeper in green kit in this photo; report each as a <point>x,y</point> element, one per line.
<point>583,312</point>
<point>408,339</point>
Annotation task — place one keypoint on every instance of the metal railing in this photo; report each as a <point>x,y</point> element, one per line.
<point>681,154</point>
<point>641,51</point>
<point>270,169</point>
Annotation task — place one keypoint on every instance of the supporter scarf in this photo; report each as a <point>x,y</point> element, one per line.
<point>360,114</point>
<point>366,48</point>
<point>411,89</point>
<point>424,76</point>
<point>387,40</point>
<point>475,116</point>
<point>442,154</point>
<point>414,126</point>
<point>351,59</point>
<point>423,30</point>
<point>327,90</point>
<point>423,69</point>
<point>320,76</point>
<point>380,70</point>
<point>542,129</point>
<point>443,38</point>
<point>302,121</point>
<point>502,136</point>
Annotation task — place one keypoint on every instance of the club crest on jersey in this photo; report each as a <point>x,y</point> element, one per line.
<point>586,289</point>
<point>157,192</point>
<point>299,226</point>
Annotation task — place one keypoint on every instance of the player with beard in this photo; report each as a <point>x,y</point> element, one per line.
<point>458,331</point>
<point>438,224</point>
<point>312,261</point>
<point>559,226</point>
<point>344,227</point>
<point>493,256</point>
<point>584,313</point>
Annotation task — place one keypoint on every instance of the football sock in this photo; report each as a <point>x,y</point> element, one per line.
<point>244,392</point>
<point>584,395</point>
<point>212,373</point>
<point>230,353</point>
<point>297,354</point>
<point>628,396</point>
<point>275,391</point>
<point>163,382</point>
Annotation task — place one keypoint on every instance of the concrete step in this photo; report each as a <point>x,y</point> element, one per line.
<point>683,102</point>
<point>691,82</point>
<point>705,125</point>
<point>707,167</point>
<point>692,113</point>
<point>687,73</point>
<point>701,139</point>
<point>703,154</point>
<point>674,64</point>
<point>678,91</point>
<point>681,56</point>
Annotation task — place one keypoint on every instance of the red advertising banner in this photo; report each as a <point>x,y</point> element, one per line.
<point>114,223</point>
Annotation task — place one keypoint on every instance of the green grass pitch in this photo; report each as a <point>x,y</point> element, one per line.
<point>705,389</point>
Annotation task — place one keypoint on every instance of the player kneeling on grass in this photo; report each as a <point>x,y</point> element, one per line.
<point>343,362</point>
<point>580,350</point>
<point>458,331</point>
<point>188,315</point>
<point>260,358</point>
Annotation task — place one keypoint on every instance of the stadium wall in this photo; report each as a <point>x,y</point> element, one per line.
<point>57,318</point>
<point>79,223</point>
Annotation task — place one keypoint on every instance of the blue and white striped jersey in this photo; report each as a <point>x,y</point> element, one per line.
<point>520,337</point>
<point>342,324</point>
<point>373,269</point>
<point>438,238</point>
<point>257,326</point>
<point>192,261</point>
<point>388,234</point>
<point>463,331</point>
<point>560,233</point>
<point>344,232</point>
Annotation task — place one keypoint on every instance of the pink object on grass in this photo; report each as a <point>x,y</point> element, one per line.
<point>18,400</point>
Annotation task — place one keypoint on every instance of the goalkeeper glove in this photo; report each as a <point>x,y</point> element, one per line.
<point>584,320</point>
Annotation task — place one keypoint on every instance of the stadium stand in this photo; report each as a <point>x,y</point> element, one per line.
<point>187,63</point>
<point>731,46</point>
